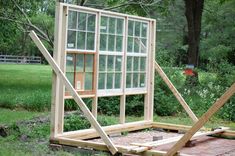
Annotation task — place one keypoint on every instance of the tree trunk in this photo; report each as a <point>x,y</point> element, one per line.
<point>193,13</point>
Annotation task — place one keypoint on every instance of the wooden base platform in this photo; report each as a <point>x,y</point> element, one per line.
<point>141,142</point>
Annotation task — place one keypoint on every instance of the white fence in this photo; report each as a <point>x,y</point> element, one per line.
<point>20,59</point>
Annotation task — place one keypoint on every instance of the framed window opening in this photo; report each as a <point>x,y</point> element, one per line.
<point>137,55</point>
<point>81,31</point>
<point>111,54</point>
<point>80,72</point>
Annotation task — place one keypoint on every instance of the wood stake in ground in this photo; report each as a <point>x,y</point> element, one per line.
<point>73,92</point>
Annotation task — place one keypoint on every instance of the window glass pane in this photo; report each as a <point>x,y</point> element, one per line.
<point>111,42</point>
<point>70,77</point>
<point>102,63</point>
<point>103,42</point>
<point>91,22</point>
<point>110,63</point>
<point>71,39</point>
<point>129,63</point>
<point>130,28</point>
<point>119,26</point>
<point>142,64</point>
<point>89,63</point>
<point>142,80</point>
<point>101,81</point>
<point>143,45</point>
<point>130,44</point>
<point>81,40</point>
<point>88,81</point>
<point>112,25</point>
<point>136,46</point>
<point>136,63</point>
<point>144,30</point>
<point>109,84</point>
<point>137,28</point>
<point>82,21</point>
<point>80,63</point>
<point>119,43</point>
<point>118,64</point>
<point>103,27</point>
<point>128,80</point>
<point>72,19</point>
<point>117,80</point>
<point>69,63</point>
<point>90,41</point>
<point>135,80</point>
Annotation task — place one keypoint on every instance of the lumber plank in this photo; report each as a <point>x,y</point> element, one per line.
<point>175,92</point>
<point>170,126</point>
<point>55,126</point>
<point>205,117</point>
<point>149,97</point>
<point>73,92</point>
<point>91,133</point>
<point>103,147</point>
<point>174,139</point>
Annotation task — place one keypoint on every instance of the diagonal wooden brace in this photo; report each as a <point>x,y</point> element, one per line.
<point>73,92</point>
<point>175,92</point>
<point>205,117</point>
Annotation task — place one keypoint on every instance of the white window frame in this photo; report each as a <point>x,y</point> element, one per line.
<point>85,31</point>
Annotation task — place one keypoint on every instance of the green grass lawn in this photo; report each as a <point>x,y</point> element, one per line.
<point>26,86</point>
<point>11,116</point>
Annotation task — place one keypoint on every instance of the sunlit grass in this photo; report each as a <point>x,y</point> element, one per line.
<point>27,86</point>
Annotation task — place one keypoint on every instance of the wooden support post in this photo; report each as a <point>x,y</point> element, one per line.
<point>96,67</point>
<point>175,92</point>
<point>57,101</point>
<point>73,92</point>
<point>122,109</point>
<point>205,117</point>
<point>122,117</point>
<point>148,99</point>
<point>94,106</point>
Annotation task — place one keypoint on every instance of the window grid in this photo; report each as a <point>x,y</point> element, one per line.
<point>86,75</point>
<point>136,75</point>
<point>77,30</point>
<point>139,38</point>
<point>108,34</point>
<point>111,35</point>
<point>113,72</point>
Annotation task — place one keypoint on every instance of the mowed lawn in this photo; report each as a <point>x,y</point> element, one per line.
<point>25,86</point>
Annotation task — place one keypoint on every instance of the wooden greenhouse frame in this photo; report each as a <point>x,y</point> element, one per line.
<point>60,82</point>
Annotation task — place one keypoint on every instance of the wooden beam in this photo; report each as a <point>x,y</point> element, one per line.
<point>170,126</point>
<point>91,133</point>
<point>226,133</point>
<point>205,117</point>
<point>174,139</point>
<point>175,92</point>
<point>103,147</point>
<point>73,92</point>
<point>55,126</point>
<point>122,109</point>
